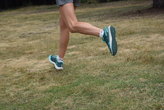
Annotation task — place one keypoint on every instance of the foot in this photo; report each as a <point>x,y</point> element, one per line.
<point>109,38</point>
<point>56,61</point>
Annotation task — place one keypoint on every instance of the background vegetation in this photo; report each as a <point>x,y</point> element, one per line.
<point>6,4</point>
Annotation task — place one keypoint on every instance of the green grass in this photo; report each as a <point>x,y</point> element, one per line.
<point>92,79</point>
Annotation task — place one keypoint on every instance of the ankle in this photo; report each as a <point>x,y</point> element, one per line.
<point>101,33</point>
<point>60,58</point>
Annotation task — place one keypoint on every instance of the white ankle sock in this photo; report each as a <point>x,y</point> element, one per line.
<point>59,59</point>
<point>101,33</point>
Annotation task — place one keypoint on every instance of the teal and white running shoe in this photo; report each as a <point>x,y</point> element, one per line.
<point>109,38</point>
<point>56,61</point>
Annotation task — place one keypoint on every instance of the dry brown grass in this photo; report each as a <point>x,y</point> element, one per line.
<point>92,78</point>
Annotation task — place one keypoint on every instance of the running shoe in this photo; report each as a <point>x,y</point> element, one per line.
<point>109,38</point>
<point>58,63</point>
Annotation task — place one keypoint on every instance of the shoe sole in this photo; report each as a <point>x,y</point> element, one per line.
<point>58,68</point>
<point>112,44</point>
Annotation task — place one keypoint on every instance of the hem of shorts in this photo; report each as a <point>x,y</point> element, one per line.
<point>66,3</point>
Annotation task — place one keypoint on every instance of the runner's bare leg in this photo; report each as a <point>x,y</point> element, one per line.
<point>64,38</point>
<point>67,13</point>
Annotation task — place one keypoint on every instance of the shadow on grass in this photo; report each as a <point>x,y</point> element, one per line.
<point>120,11</point>
<point>145,12</point>
<point>113,12</point>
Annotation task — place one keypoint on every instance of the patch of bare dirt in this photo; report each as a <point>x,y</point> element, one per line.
<point>71,47</point>
<point>73,53</point>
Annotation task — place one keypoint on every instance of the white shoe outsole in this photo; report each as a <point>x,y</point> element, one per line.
<point>110,39</point>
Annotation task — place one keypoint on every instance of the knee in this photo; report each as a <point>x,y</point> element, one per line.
<point>73,27</point>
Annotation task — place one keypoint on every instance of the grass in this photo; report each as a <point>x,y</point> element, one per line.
<point>92,79</point>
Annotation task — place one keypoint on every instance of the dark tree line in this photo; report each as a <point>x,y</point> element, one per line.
<point>158,3</point>
<point>5,4</point>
